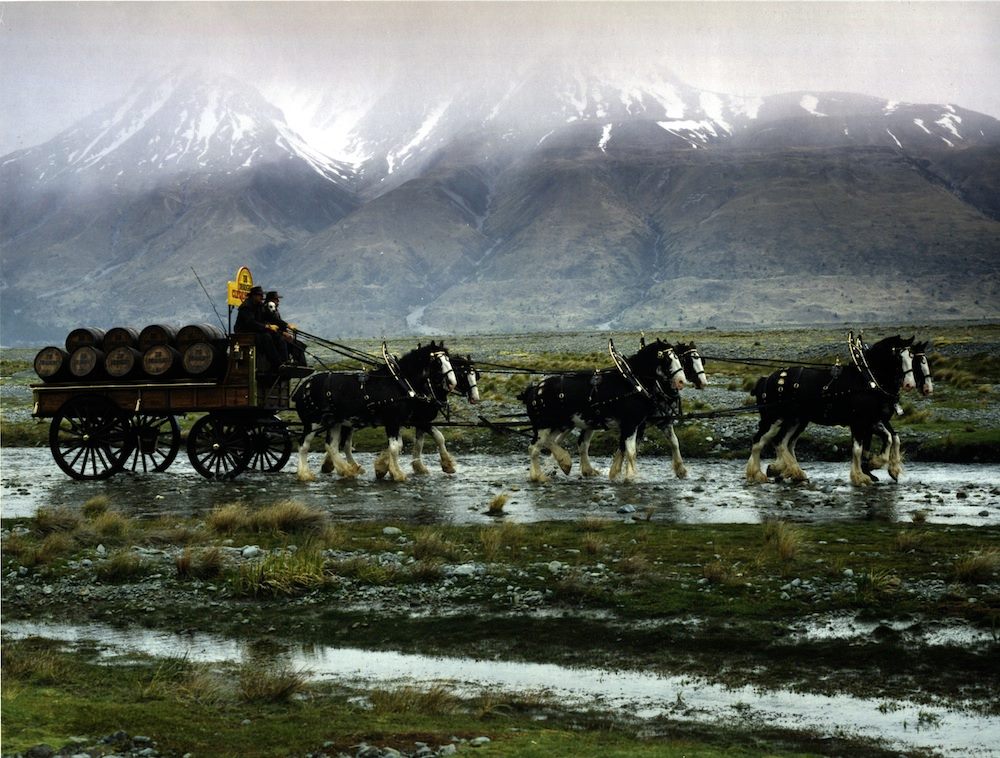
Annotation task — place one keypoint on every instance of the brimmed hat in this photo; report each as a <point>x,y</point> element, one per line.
<point>272,295</point>
<point>256,291</point>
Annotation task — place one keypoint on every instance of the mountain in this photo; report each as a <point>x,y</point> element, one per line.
<point>550,197</point>
<point>185,171</point>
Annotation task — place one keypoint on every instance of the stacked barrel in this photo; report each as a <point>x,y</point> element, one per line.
<point>158,352</point>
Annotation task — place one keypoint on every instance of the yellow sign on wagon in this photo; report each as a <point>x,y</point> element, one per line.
<point>238,290</point>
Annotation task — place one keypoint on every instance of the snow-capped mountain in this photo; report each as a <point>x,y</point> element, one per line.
<point>587,197</point>
<point>184,122</point>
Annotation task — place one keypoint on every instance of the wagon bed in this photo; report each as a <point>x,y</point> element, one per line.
<point>101,428</point>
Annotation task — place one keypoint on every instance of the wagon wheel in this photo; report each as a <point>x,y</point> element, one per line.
<point>218,447</point>
<point>270,445</point>
<point>153,443</point>
<point>89,437</point>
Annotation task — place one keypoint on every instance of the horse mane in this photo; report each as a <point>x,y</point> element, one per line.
<point>415,361</point>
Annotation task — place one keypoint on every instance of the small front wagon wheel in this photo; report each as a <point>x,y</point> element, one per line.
<point>218,447</point>
<point>270,445</point>
<point>89,437</point>
<point>153,443</point>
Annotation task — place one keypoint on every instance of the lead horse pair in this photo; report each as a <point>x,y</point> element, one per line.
<point>640,388</point>
<point>863,396</point>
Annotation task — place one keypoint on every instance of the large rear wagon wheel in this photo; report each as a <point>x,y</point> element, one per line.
<point>153,443</point>
<point>270,445</point>
<point>218,446</point>
<point>89,437</point>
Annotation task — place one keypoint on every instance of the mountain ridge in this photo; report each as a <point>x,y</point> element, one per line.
<point>602,205</point>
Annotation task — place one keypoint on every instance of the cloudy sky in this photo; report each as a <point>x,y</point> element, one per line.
<point>59,61</point>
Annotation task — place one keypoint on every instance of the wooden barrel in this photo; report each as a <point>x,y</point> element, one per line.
<point>85,336</point>
<point>123,362</point>
<point>156,334</point>
<point>52,364</point>
<point>87,362</point>
<point>120,336</point>
<point>188,335</point>
<point>162,362</point>
<point>205,360</point>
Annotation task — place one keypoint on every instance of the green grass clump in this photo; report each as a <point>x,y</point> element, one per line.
<point>786,539</point>
<point>122,566</point>
<point>495,507</point>
<point>202,563</point>
<point>48,520</point>
<point>287,573</point>
<point>978,568</point>
<point>430,544</point>
<point>274,683</point>
<point>282,518</point>
<point>95,506</point>
<point>34,659</point>
<point>435,701</point>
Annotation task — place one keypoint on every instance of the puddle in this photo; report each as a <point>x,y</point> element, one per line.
<point>901,724</point>
<point>714,493</point>
<point>912,633</point>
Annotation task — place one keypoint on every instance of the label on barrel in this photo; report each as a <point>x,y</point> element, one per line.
<point>198,358</point>
<point>83,362</point>
<point>158,360</point>
<point>49,362</point>
<point>120,362</point>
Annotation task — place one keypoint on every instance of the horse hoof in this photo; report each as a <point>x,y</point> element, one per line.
<point>306,476</point>
<point>419,468</point>
<point>681,472</point>
<point>448,468</point>
<point>757,478</point>
<point>327,467</point>
<point>774,471</point>
<point>589,472</point>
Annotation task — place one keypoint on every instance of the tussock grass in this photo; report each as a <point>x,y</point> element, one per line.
<point>491,540</point>
<point>979,567</point>
<point>875,583</point>
<point>595,523</point>
<point>785,538</point>
<point>365,571</point>
<point>490,704</point>
<point>280,574</point>
<point>204,563</point>
<point>122,566</point>
<point>95,506</point>
<point>30,552</point>
<point>112,527</point>
<point>919,516</point>
<point>592,544</point>
<point>719,573</point>
<point>425,572</point>
<point>48,520</point>
<point>229,518</point>
<point>288,517</point>
<point>436,701</point>
<point>495,508</point>
<point>910,540</point>
<point>634,565</point>
<point>269,684</point>
<point>281,518</point>
<point>429,544</point>
<point>32,659</point>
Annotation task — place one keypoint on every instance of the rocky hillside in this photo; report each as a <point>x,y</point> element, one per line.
<point>551,199</point>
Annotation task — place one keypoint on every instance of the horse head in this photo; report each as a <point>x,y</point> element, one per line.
<point>921,368</point>
<point>694,364</point>
<point>659,358</point>
<point>427,361</point>
<point>891,362</point>
<point>467,377</point>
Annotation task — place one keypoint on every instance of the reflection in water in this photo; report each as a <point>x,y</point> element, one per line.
<point>646,695</point>
<point>715,493</point>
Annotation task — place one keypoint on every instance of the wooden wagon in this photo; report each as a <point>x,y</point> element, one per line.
<point>100,428</point>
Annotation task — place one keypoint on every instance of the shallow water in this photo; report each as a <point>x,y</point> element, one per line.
<point>901,724</point>
<point>714,492</point>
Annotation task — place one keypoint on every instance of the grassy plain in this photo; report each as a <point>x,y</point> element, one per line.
<point>724,602</point>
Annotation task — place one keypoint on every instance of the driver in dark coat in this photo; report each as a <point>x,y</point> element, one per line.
<point>252,318</point>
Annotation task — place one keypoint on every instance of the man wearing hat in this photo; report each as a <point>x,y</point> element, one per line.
<point>272,313</point>
<point>252,318</point>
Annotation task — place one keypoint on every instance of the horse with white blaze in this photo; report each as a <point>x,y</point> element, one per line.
<point>622,398</point>
<point>391,395</point>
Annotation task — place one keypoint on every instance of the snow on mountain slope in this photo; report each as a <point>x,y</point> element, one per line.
<point>185,122</point>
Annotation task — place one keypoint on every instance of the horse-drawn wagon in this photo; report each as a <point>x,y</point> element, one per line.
<point>100,428</point>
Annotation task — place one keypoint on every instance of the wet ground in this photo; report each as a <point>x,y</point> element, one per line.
<point>905,725</point>
<point>714,492</point>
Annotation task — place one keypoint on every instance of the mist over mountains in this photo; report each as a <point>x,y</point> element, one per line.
<point>557,197</point>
